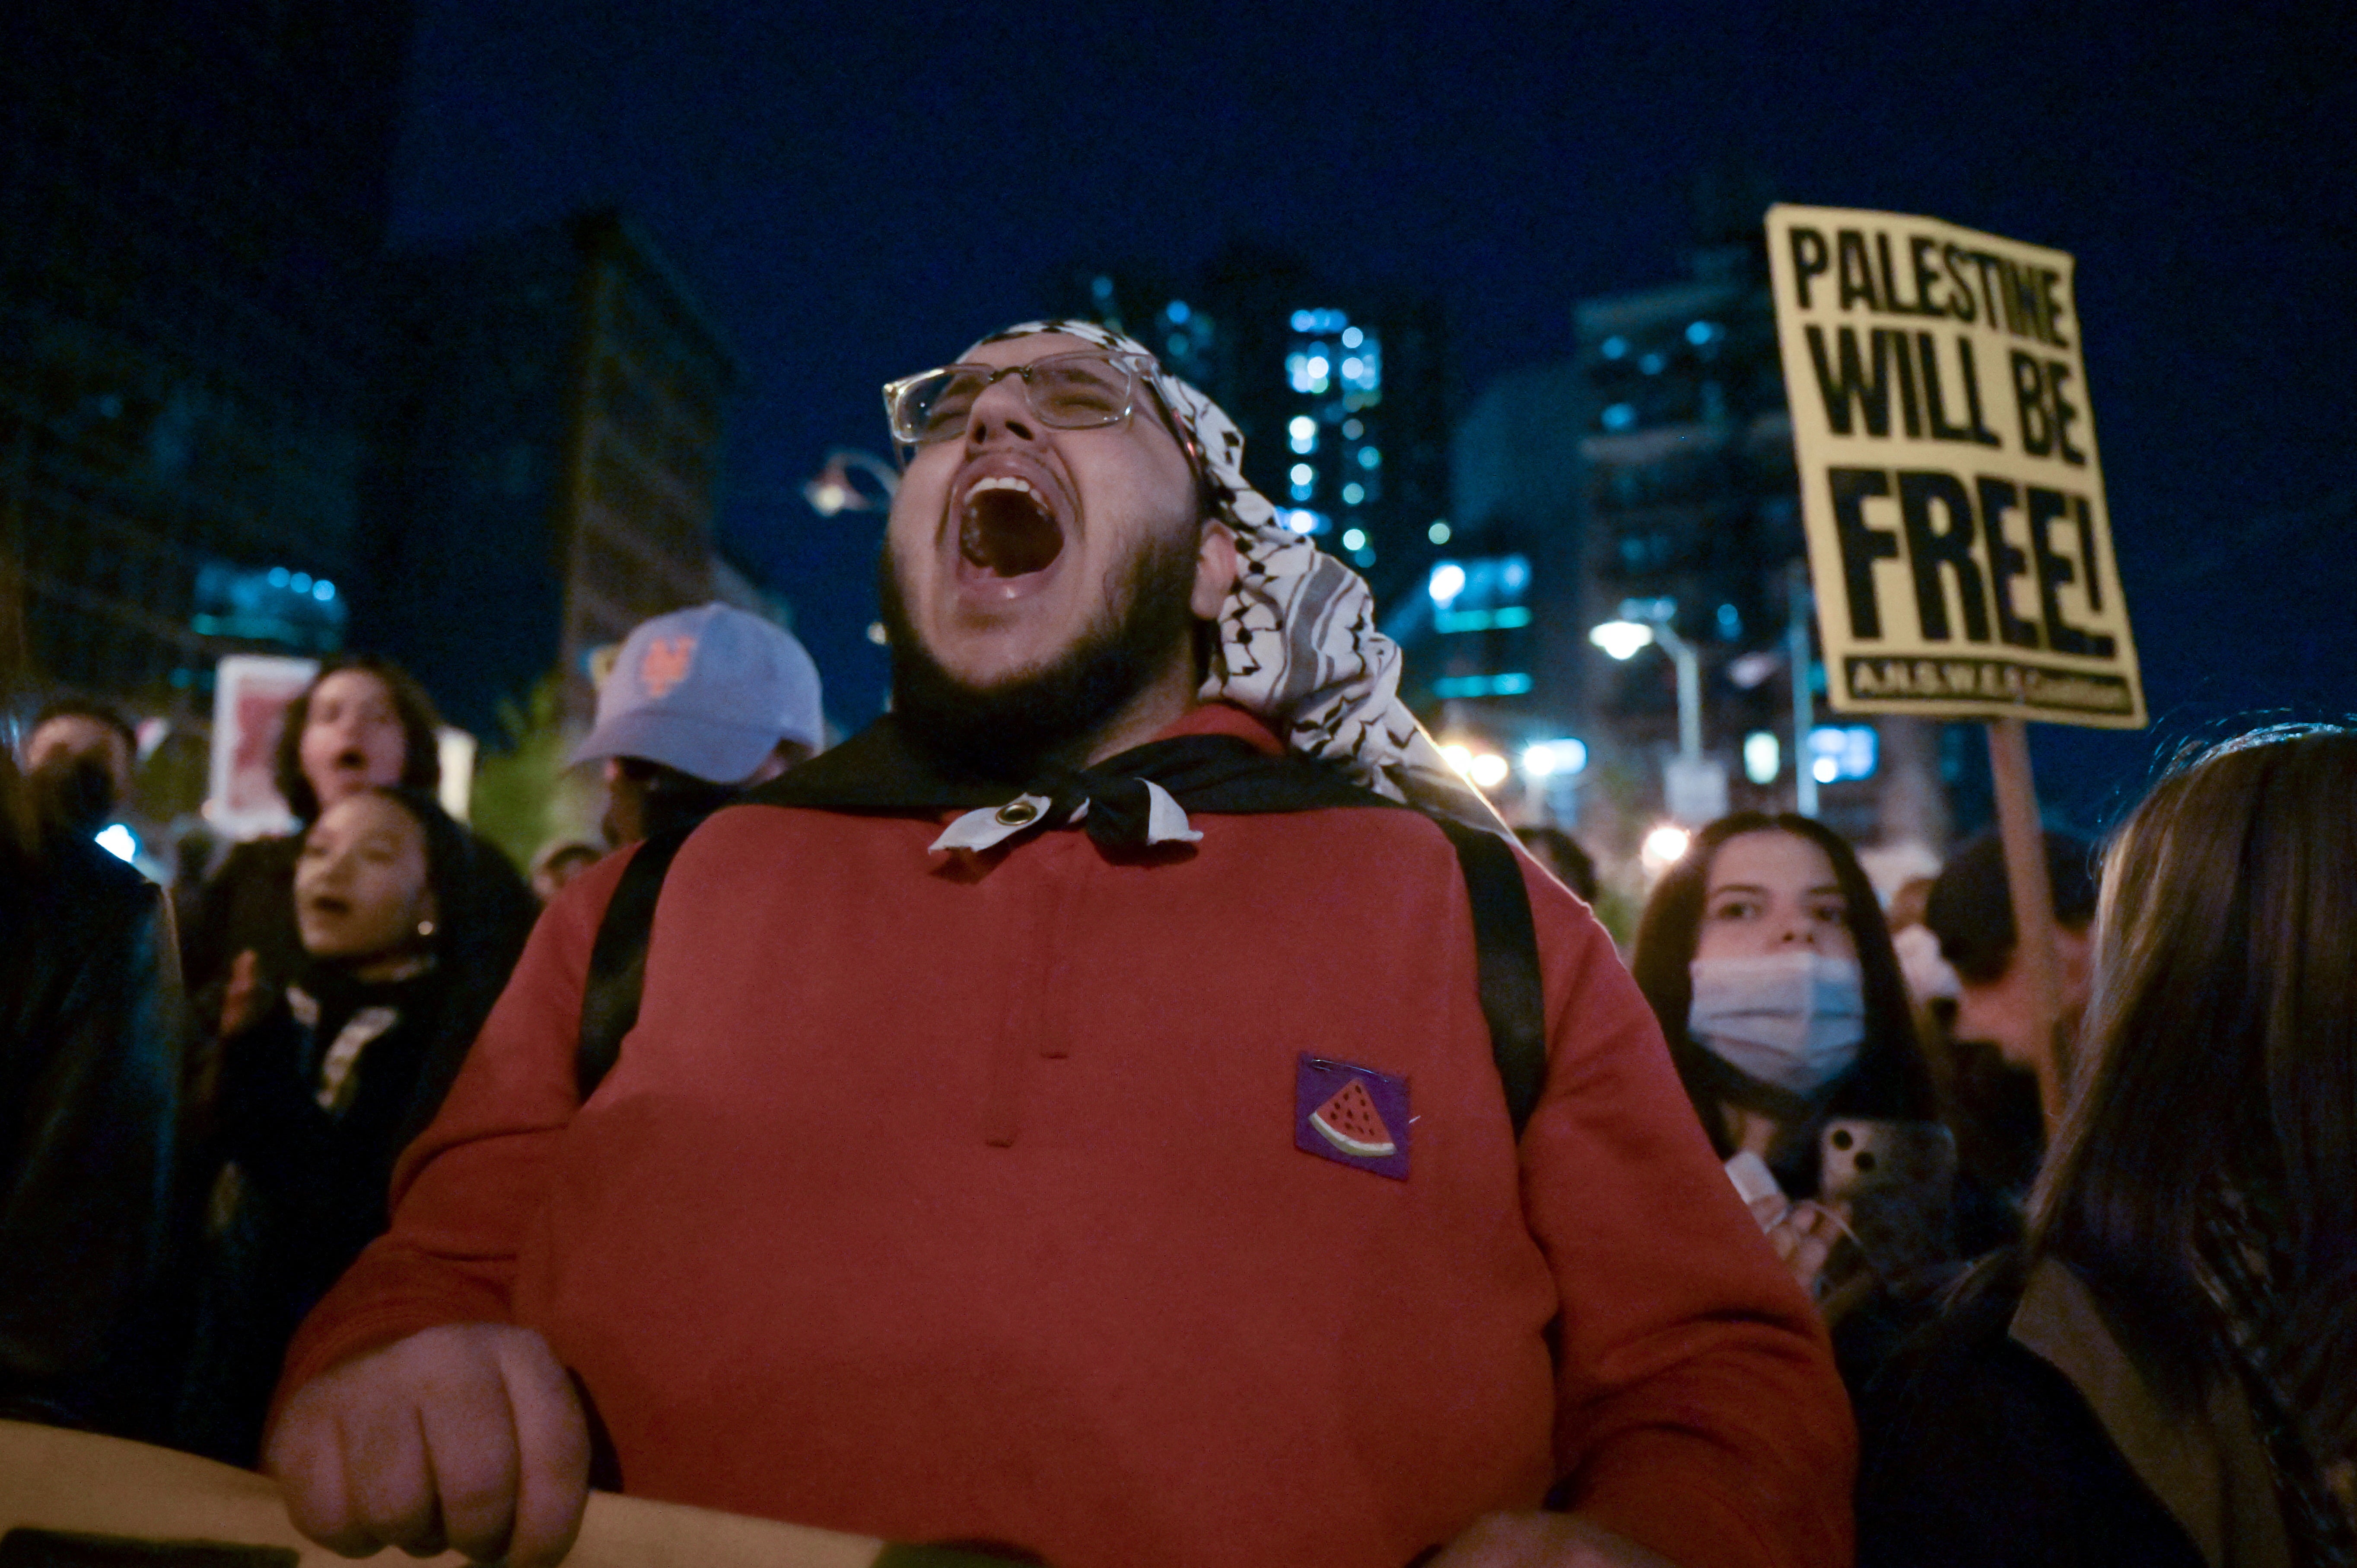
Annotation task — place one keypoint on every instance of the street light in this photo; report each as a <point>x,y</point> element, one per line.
<point>833,490</point>
<point>1621,638</point>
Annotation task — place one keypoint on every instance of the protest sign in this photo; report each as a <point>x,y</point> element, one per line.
<point>1959,543</point>
<point>250,693</point>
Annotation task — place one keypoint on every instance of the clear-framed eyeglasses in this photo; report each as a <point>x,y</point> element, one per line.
<point>1068,392</point>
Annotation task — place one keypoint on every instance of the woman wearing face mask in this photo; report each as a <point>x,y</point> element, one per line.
<point>1765,956</point>
<point>364,723</point>
<point>326,1083</point>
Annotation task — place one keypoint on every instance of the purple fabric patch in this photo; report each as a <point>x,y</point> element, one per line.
<point>1352,1115</point>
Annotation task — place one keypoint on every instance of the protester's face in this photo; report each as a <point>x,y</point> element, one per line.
<point>1008,544</point>
<point>1768,892</point>
<point>80,770</point>
<point>2008,1012</point>
<point>360,882</point>
<point>353,738</point>
<point>75,737</point>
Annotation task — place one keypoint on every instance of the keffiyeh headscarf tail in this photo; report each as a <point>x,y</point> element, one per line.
<point>1297,644</point>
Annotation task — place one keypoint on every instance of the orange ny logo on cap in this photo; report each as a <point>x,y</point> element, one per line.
<point>665,664</point>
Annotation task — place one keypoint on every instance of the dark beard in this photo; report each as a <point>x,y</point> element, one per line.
<point>1008,730</point>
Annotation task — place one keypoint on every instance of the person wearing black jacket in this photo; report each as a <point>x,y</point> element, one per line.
<point>325,1081</point>
<point>2166,1374</point>
<point>91,1038</point>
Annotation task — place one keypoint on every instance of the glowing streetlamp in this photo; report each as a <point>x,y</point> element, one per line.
<point>1665,846</point>
<point>834,492</point>
<point>1622,638</point>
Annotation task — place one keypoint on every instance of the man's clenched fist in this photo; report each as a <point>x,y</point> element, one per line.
<point>467,1437</point>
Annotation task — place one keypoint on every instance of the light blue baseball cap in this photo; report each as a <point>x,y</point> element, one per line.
<point>710,690</point>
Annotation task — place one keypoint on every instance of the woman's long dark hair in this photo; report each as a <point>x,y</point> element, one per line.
<point>421,755</point>
<point>2222,1040</point>
<point>1891,1081</point>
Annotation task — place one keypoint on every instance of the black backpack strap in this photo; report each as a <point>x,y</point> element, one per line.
<point>1505,947</point>
<point>1506,960</point>
<point>618,961</point>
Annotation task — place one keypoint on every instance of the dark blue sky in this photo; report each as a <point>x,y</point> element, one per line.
<point>857,191</point>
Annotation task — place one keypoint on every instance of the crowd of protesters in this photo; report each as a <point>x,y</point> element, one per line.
<point>2137,1344</point>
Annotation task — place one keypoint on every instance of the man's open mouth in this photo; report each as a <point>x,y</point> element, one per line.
<point>1007,528</point>
<point>329,904</point>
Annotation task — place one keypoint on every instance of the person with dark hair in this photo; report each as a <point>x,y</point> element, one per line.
<point>77,759</point>
<point>1992,1083</point>
<point>1133,1104</point>
<point>362,722</point>
<point>323,1083</point>
<point>1560,854</point>
<point>2164,1375</point>
<point>558,863</point>
<point>91,1047</point>
<point>1764,954</point>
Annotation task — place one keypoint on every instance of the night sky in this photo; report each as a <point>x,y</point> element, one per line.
<point>858,191</point>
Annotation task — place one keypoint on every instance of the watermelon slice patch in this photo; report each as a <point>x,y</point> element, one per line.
<point>1351,1123</point>
<point>1351,1115</point>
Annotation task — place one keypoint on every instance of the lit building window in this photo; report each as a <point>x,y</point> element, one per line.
<point>1353,429</point>
<point>1352,338</point>
<point>1303,430</point>
<point>1702,332</point>
<point>1178,312</point>
<point>1370,459</point>
<point>1304,474</point>
<point>1352,495</point>
<point>1620,416</point>
<point>1354,538</point>
<point>1615,347</point>
<point>1438,531</point>
<point>1652,364</point>
<point>1841,752</point>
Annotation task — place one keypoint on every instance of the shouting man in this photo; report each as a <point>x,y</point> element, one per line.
<point>1082,1112</point>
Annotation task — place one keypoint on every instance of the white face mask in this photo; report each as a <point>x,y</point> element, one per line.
<point>1793,1019</point>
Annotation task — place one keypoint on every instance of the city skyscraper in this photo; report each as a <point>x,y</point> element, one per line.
<point>549,426</point>
<point>192,205</point>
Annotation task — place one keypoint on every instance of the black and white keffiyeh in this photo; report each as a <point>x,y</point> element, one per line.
<point>1297,644</point>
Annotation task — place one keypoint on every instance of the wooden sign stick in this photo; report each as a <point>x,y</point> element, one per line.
<point>76,1483</point>
<point>2033,900</point>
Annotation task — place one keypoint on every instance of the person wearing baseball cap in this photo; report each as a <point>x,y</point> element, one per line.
<point>701,705</point>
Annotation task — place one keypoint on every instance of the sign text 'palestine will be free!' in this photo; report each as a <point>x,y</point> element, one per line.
<point>1958,541</point>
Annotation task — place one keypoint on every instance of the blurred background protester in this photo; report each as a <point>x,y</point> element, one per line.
<point>361,722</point>
<point>325,1079</point>
<point>1764,954</point>
<point>701,705</point>
<point>78,760</point>
<point>91,1036</point>
<point>1561,854</point>
<point>1989,1083</point>
<point>559,864</point>
<point>1931,983</point>
<point>2166,1376</point>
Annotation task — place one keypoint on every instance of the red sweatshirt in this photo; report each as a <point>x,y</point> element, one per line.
<point>945,1198</point>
